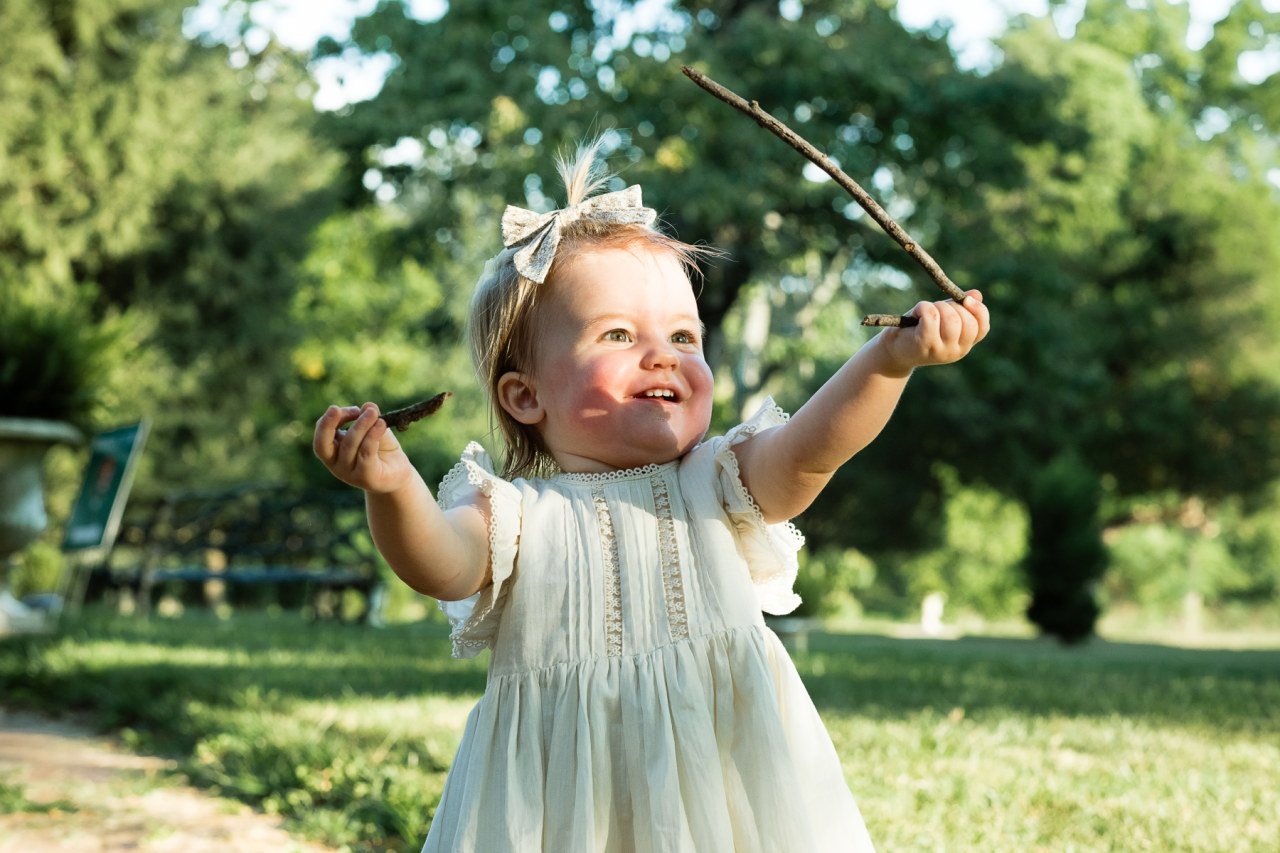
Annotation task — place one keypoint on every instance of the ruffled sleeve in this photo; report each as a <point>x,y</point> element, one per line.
<point>475,619</point>
<point>770,549</point>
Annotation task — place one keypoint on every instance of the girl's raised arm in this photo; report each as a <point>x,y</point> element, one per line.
<point>785,468</point>
<point>444,554</point>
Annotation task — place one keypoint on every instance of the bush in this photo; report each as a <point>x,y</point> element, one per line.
<point>1171,550</point>
<point>39,568</point>
<point>830,581</point>
<point>51,359</point>
<point>1065,554</point>
<point>1254,540</point>
<point>984,538</point>
<point>1155,566</point>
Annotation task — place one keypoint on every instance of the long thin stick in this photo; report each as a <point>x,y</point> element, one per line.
<point>825,163</point>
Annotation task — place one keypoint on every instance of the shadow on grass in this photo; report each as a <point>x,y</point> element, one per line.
<point>143,675</point>
<point>883,677</point>
<point>140,674</point>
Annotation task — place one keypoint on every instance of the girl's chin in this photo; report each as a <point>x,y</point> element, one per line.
<point>637,454</point>
<point>618,443</point>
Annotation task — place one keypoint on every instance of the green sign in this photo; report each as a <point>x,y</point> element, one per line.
<point>100,505</point>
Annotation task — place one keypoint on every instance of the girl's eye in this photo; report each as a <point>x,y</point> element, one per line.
<point>617,335</point>
<point>683,337</point>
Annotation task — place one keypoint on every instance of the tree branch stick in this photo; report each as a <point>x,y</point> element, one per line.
<point>753,110</point>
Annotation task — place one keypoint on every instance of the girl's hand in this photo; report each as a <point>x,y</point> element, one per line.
<point>946,332</point>
<point>366,454</point>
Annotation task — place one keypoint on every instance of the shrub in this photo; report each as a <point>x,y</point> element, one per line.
<point>984,536</point>
<point>52,360</point>
<point>1065,553</point>
<point>830,580</point>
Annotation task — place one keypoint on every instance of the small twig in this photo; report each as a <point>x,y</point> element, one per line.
<point>399,419</point>
<point>902,321</point>
<point>826,164</point>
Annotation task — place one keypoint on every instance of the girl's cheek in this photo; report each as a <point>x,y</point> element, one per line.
<point>599,382</point>
<point>618,370</point>
<point>700,379</point>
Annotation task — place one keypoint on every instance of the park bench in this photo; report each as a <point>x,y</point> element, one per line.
<point>247,546</point>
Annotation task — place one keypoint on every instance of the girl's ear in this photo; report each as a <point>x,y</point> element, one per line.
<point>518,397</point>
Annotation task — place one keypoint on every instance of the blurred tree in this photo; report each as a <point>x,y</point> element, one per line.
<point>176,180</point>
<point>1107,191</point>
<point>984,540</point>
<point>1130,261</point>
<point>481,97</point>
<point>376,324</point>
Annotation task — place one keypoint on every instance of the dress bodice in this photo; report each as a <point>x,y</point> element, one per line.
<point>590,566</point>
<point>619,565</point>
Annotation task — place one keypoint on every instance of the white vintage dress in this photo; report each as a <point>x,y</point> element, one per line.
<point>635,699</point>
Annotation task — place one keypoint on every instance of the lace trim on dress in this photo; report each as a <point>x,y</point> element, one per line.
<point>470,634</point>
<point>770,549</point>
<point>669,552</point>
<point>612,575</point>
<point>461,644</point>
<point>789,533</point>
<point>614,476</point>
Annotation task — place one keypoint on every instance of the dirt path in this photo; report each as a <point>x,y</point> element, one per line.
<point>107,799</point>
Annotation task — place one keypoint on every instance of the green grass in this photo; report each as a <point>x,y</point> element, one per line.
<point>971,744</point>
<point>14,800</point>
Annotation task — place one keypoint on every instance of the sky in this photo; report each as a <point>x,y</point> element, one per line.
<point>299,23</point>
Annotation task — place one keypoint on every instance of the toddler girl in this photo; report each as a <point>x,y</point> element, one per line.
<point>619,566</point>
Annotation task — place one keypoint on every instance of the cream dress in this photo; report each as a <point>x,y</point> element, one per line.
<point>635,699</point>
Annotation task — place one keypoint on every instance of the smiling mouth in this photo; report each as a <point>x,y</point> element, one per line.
<point>659,394</point>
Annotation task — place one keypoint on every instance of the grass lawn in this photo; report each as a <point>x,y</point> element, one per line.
<point>970,744</point>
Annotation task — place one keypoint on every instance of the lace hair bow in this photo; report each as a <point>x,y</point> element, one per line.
<point>538,234</point>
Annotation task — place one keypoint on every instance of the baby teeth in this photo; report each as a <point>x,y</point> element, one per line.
<point>669,395</point>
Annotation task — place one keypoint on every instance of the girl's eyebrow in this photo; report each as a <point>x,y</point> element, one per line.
<point>600,319</point>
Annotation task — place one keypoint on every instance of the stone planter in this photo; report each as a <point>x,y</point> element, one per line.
<point>23,445</point>
<point>793,631</point>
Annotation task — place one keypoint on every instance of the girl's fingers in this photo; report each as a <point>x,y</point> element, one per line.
<point>960,327</point>
<point>951,323</point>
<point>946,332</point>
<point>322,438</point>
<point>355,436</point>
<point>979,312</point>
<point>972,320</point>
<point>378,434</point>
<point>968,326</point>
<point>983,319</point>
<point>325,439</point>
<point>927,314</point>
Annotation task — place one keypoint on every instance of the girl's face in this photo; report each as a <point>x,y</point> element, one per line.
<point>619,378</point>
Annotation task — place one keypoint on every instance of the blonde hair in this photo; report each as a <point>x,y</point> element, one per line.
<point>502,321</point>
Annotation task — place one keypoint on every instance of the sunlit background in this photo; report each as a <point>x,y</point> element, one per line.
<point>1041,610</point>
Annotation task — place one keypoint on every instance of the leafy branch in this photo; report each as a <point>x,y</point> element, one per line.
<point>826,164</point>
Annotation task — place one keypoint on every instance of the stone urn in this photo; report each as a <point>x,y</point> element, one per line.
<point>23,445</point>
<point>793,631</point>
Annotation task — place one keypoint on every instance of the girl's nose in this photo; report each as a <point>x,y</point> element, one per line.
<point>661,354</point>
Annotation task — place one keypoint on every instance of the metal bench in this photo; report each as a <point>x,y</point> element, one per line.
<point>248,546</point>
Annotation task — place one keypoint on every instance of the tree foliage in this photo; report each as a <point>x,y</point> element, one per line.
<point>1107,190</point>
<point>174,182</point>
<point>489,94</point>
<point>1111,190</point>
<point>1130,264</point>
